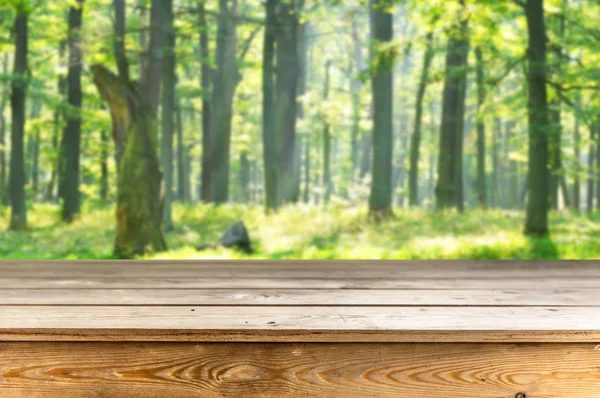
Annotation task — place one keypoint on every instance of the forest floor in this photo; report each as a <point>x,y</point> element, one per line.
<point>301,232</point>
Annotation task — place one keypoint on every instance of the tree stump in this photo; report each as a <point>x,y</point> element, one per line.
<point>138,170</point>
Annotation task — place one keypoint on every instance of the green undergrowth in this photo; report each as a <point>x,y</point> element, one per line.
<point>300,232</point>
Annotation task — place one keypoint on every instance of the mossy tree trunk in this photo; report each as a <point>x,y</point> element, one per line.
<point>539,125</point>
<point>71,140</point>
<point>415,141</point>
<point>18,216</point>
<point>380,198</point>
<point>449,189</point>
<point>139,212</point>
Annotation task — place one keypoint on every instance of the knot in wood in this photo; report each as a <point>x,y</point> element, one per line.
<point>521,395</point>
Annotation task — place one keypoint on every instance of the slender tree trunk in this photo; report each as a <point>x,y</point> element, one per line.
<point>71,142</point>
<point>494,191</point>
<point>269,133</point>
<point>537,203</point>
<point>119,43</point>
<point>399,167</point>
<point>596,176</point>
<point>35,151</point>
<point>554,114</point>
<point>449,185</point>
<point>104,166</point>
<point>139,212</point>
<point>303,50</point>
<point>143,36</point>
<point>555,166</point>
<point>4,97</point>
<point>168,109</point>
<point>481,180</point>
<point>591,171</point>
<point>577,150</point>
<point>326,140</point>
<point>206,112</point>
<point>513,181</point>
<point>286,87</point>
<point>56,137</point>
<point>225,81</point>
<point>380,199</point>
<point>245,176</point>
<point>18,217</point>
<point>355,88</point>
<point>182,156</point>
<point>151,76</point>
<point>307,172</point>
<point>415,142</point>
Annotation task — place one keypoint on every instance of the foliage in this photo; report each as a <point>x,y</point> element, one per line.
<point>300,232</point>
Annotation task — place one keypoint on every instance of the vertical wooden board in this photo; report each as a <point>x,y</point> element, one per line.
<point>345,370</point>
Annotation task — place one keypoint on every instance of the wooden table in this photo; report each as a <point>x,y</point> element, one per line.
<point>300,329</point>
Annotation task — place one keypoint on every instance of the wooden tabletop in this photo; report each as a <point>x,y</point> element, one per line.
<point>300,301</point>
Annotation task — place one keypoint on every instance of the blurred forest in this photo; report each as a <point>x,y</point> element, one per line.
<point>334,129</point>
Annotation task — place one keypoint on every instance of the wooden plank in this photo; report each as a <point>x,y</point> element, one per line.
<point>301,297</point>
<point>303,269</point>
<point>191,282</point>
<point>316,323</point>
<point>65,370</point>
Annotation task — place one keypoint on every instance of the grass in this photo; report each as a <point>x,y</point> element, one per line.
<point>301,232</point>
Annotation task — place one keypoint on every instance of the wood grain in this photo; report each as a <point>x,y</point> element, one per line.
<point>68,370</point>
<point>437,269</point>
<point>301,297</point>
<point>200,282</point>
<point>325,322</point>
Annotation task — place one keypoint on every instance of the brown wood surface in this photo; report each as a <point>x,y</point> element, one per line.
<point>31,370</point>
<point>275,282</point>
<point>299,329</point>
<point>302,297</point>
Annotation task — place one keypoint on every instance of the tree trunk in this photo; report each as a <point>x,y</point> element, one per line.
<point>224,84</point>
<point>151,75</point>
<point>143,36</point>
<point>481,183</point>
<point>168,109</point>
<point>269,137</point>
<point>245,176</point>
<point>495,177</point>
<point>591,171</point>
<point>303,50</point>
<point>415,141</point>
<point>71,141</point>
<point>537,203</point>
<point>577,150</point>
<point>3,99</point>
<point>307,172</point>
<point>554,112</point>
<point>286,85</point>
<point>56,137</point>
<point>139,212</point>
<point>449,186</point>
<point>119,40</point>
<point>512,180</point>
<point>596,176</point>
<point>554,145</point>
<point>326,140</point>
<point>104,166</point>
<point>182,156</point>
<point>206,112</point>
<point>18,217</point>
<point>355,88</point>
<point>35,151</point>
<point>380,199</point>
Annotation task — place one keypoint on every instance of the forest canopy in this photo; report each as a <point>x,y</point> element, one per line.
<point>442,128</point>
